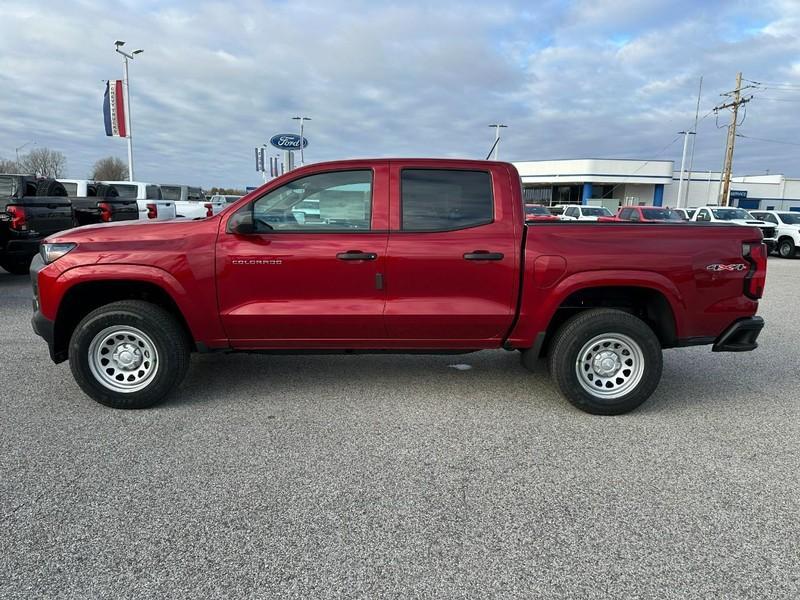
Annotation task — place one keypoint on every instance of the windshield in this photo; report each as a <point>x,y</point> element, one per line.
<point>592,211</point>
<point>661,214</point>
<point>790,218</point>
<point>536,210</point>
<point>729,214</point>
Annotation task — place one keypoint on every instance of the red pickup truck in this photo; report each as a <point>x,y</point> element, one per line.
<point>422,256</point>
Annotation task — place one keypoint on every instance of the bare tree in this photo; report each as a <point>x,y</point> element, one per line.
<point>109,168</point>
<point>44,162</point>
<point>8,166</point>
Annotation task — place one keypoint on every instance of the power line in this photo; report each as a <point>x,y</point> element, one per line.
<point>750,137</point>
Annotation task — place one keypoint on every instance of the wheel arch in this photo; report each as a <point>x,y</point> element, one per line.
<point>85,296</point>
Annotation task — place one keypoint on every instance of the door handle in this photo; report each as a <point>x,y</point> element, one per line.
<point>483,255</point>
<point>356,255</point>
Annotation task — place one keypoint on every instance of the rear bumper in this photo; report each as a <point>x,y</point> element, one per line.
<point>22,248</point>
<point>741,336</point>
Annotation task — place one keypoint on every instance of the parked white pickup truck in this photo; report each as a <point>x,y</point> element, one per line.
<point>788,225</point>
<point>577,212</point>
<point>148,198</point>
<point>738,216</point>
<point>190,202</point>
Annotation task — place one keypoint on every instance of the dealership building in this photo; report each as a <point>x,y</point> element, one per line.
<point>623,182</point>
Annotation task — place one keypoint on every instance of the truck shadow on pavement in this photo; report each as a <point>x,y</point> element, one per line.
<point>488,378</point>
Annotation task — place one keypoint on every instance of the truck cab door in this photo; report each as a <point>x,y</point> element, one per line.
<point>453,256</point>
<point>303,278</point>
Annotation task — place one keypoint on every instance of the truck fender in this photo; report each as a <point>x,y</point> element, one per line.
<point>132,272</point>
<point>537,309</point>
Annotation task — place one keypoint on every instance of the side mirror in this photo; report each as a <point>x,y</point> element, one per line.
<point>241,223</point>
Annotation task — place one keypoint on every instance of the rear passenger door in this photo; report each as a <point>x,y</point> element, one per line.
<point>452,257</point>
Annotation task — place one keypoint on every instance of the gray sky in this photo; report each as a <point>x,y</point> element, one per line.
<point>604,78</point>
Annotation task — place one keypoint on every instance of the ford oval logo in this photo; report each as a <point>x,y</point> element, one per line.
<point>288,141</point>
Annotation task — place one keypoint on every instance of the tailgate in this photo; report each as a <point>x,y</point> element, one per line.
<point>45,215</point>
<point>122,209</point>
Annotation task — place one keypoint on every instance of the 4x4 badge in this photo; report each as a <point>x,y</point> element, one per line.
<point>732,267</point>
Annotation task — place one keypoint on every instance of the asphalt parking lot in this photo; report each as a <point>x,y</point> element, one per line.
<point>402,476</point>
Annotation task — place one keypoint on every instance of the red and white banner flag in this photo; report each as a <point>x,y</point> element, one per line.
<point>114,108</point>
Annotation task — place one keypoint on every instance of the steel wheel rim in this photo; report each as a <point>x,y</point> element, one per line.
<point>123,359</point>
<point>610,365</point>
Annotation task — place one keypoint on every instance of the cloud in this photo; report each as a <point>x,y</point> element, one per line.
<point>381,79</point>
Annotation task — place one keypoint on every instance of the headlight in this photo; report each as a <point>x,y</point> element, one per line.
<point>52,252</point>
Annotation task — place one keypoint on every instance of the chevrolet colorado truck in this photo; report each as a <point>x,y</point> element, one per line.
<point>407,255</point>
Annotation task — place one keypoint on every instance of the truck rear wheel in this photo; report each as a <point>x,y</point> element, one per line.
<point>128,354</point>
<point>786,248</point>
<point>605,361</point>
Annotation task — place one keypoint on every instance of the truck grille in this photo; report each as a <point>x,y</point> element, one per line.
<point>768,232</point>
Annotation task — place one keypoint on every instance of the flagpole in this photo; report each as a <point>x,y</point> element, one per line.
<point>128,130</point>
<point>128,120</point>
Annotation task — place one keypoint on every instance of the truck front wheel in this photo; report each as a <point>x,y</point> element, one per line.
<point>128,354</point>
<point>605,361</point>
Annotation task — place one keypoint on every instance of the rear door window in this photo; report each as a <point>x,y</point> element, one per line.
<point>153,192</point>
<point>445,200</point>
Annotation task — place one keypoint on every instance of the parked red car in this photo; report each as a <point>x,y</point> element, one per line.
<point>645,214</point>
<point>406,256</point>
<point>538,213</point>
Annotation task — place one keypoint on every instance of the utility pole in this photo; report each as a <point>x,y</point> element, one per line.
<point>496,146</point>
<point>694,142</point>
<point>686,135</point>
<point>728,164</point>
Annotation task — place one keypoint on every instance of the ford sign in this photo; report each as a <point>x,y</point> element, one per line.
<point>288,141</point>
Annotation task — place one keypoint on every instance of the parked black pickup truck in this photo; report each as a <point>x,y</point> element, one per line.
<point>26,217</point>
<point>94,202</point>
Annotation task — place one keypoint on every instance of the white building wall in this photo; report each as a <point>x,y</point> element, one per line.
<point>635,194</point>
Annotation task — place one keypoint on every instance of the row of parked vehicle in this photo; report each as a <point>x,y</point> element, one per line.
<point>780,229</point>
<point>31,208</point>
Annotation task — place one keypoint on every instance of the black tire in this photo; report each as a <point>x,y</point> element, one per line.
<point>17,266</point>
<point>50,187</point>
<point>786,248</point>
<point>103,190</point>
<point>571,347</point>
<point>159,327</point>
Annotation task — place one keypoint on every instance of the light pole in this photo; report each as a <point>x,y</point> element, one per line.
<point>18,148</point>
<point>302,140</point>
<point>496,146</point>
<point>117,45</point>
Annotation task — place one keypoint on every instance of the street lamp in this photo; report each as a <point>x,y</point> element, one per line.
<point>117,45</point>
<point>302,140</point>
<point>496,146</point>
<point>18,148</point>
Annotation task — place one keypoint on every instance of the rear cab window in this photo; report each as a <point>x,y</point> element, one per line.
<point>445,199</point>
<point>8,186</point>
<point>152,192</point>
<point>71,187</point>
<point>126,190</point>
<point>170,192</point>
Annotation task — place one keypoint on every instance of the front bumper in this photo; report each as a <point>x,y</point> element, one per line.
<point>741,336</point>
<point>771,244</point>
<point>42,326</point>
